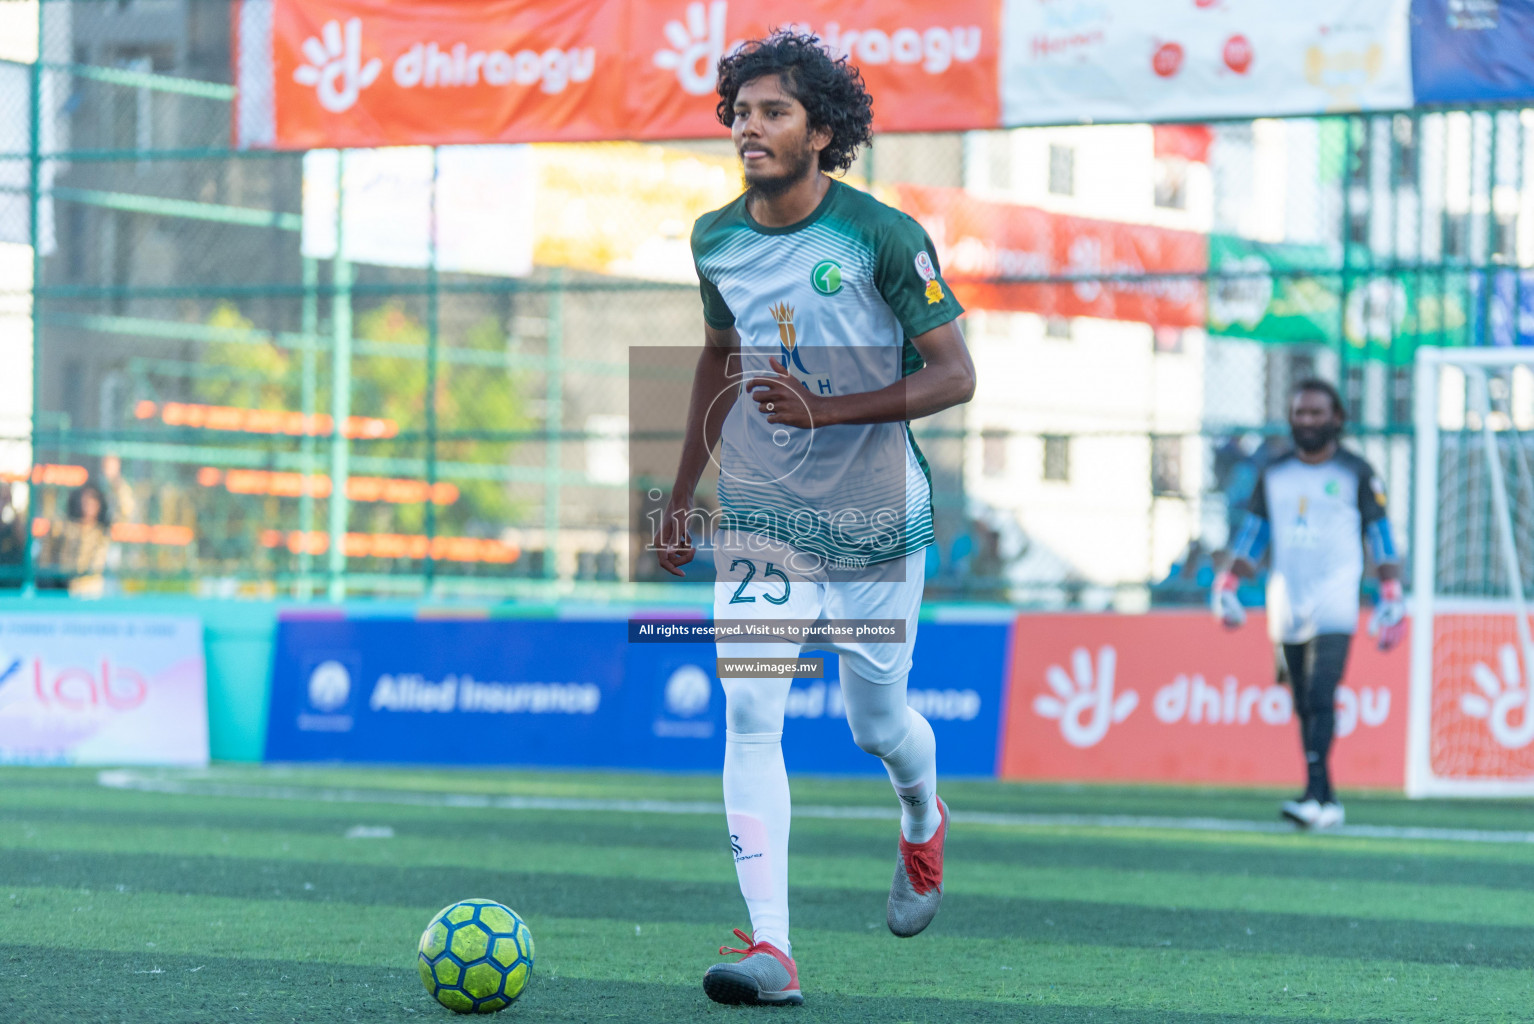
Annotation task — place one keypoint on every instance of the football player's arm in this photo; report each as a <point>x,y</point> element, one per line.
<point>947,379</point>
<point>1245,552</point>
<point>1250,545</point>
<point>1388,622</point>
<point>705,422</point>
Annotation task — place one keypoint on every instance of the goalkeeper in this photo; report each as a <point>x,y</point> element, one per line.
<point>1315,505</point>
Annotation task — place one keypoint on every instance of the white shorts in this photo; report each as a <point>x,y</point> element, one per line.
<point>760,578</point>
<point>1326,605</point>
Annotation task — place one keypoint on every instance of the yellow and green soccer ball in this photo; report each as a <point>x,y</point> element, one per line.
<point>476,956</point>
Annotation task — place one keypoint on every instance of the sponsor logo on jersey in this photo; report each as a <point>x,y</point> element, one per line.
<point>788,337</point>
<point>934,293</point>
<point>827,277</point>
<point>1378,487</point>
<point>1333,488</point>
<point>1302,535</point>
<point>924,266</point>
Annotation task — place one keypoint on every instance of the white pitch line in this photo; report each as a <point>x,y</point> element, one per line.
<point>129,780</point>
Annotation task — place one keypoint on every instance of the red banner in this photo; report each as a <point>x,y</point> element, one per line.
<point>356,73</point>
<point>979,241</point>
<point>1481,723</point>
<point>1173,697</point>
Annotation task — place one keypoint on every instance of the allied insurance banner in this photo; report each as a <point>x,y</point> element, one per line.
<point>364,73</point>
<point>578,693</point>
<point>102,689</point>
<point>1173,697</point>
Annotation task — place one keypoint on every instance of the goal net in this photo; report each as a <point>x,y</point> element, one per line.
<point>1472,657</point>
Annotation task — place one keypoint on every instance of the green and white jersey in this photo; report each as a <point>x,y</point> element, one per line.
<point>836,298</point>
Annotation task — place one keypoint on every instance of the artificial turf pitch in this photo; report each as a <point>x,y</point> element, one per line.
<point>279,895</point>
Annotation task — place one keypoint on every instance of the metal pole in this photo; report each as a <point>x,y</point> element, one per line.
<point>34,236</point>
<point>433,333</point>
<point>552,424</point>
<point>1347,259</point>
<point>309,397</point>
<point>340,392</point>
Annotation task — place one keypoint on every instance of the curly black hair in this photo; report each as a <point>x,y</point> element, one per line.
<point>830,88</point>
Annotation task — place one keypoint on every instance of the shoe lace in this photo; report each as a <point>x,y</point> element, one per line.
<point>923,865</point>
<point>752,946</point>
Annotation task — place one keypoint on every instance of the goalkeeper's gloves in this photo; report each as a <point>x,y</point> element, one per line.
<point>1388,623</point>
<point>1224,602</point>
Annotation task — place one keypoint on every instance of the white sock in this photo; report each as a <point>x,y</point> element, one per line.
<point>912,768</point>
<point>757,804</point>
<point>883,725</point>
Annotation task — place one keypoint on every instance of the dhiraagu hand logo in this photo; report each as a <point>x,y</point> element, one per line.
<point>827,277</point>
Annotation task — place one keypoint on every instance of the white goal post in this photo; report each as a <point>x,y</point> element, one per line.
<point>1471,727</point>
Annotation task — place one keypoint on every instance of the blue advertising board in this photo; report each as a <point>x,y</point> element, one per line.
<point>1472,51</point>
<point>577,693</point>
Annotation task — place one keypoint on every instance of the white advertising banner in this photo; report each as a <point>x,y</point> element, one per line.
<point>1069,61</point>
<point>102,689</point>
<point>484,207</point>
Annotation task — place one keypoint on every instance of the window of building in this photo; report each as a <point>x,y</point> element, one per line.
<point>1358,226</point>
<point>1456,236</point>
<point>1401,395</point>
<point>1504,237</point>
<point>1404,158</point>
<point>1058,327</point>
<point>1361,152</point>
<point>1166,465</point>
<point>1353,392</point>
<point>993,452</point>
<point>998,152</point>
<point>1057,457</point>
<point>1062,170</point>
<point>1171,183</point>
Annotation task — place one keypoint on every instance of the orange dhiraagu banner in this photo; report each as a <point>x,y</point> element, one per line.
<point>362,73</point>
<point>1173,697</point>
<point>930,67</point>
<point>355,73</point>
<point>978,241</point>
<point>1480,722</point>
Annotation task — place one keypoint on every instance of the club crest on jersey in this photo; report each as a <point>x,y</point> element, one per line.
<point>928,273</point>
<point>827,277</point>
<point>788,338</point>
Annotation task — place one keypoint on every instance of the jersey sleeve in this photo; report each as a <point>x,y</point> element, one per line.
<point>1371,495</point>
<point>1257,504</point>
<point>716,312</point>
<point>908,277</point>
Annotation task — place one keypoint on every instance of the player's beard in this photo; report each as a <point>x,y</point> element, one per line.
<point>798,168</point>
<point>1313,439</point>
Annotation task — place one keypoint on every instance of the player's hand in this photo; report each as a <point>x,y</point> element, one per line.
<point>1388,623</point>
<point>673,547</point>
<point>1224,602</point>
<point>782,399</point>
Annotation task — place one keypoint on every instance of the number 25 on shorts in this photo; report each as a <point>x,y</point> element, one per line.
<point>770,571</point>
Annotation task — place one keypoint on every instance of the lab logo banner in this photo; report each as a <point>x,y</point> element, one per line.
<point>102,689</point>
